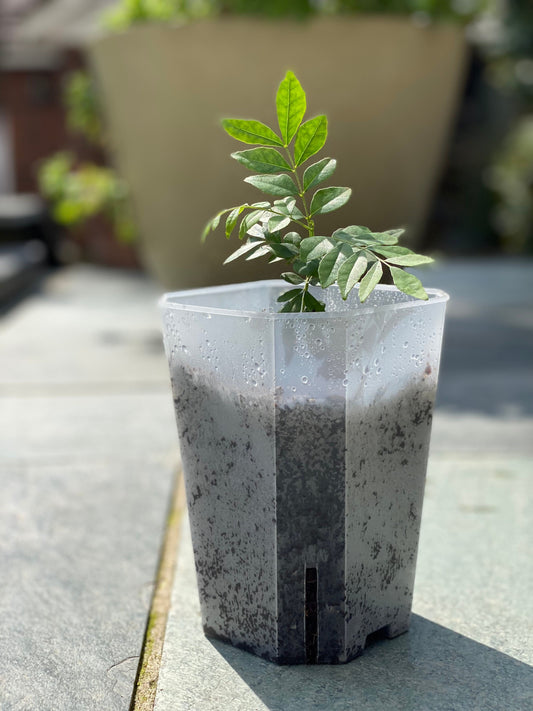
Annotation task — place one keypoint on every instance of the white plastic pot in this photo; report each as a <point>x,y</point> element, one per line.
<point>304,441</point>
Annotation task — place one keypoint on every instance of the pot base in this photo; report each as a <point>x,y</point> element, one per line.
<point>391,631</point>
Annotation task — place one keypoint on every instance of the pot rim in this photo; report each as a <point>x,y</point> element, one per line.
<point>166,302</point>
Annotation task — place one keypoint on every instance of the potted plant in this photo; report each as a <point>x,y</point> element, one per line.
<point>391,83</point>
<point>304,410</point>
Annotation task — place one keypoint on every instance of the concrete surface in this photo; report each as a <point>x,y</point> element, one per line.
<point>471,640</point>
<point>87,458</point>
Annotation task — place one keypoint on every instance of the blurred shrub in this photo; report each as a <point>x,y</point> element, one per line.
<point>510,53</point>
<point>82,108</point>
<point>79,192</point>
<point>511,179</point>
<point>130,12</point>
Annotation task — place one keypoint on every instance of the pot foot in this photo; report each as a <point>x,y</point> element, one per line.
<point>397,628</point>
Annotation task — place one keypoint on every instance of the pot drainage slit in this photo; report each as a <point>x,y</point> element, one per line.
<point>311,615</point>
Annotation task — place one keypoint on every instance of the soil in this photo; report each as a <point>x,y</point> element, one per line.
<point>282,493</point>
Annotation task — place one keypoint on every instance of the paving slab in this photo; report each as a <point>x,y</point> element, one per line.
<point>470,645</point>
<point>87,464</point>
<point>471,641</point>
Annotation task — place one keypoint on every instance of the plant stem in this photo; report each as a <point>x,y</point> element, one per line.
<point>310,224</point>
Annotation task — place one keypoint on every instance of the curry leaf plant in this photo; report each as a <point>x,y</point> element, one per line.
<point>283,228</point>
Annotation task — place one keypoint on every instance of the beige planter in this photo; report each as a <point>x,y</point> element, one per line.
<point>389,89</point>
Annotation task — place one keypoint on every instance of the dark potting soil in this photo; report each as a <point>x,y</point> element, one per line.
<point>304,515</point>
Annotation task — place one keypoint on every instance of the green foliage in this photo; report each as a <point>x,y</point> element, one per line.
<point>83,110</point>
<point>132,12</point>
<point>351,255</point>
<point>511,179</point>
<point>79,193</point>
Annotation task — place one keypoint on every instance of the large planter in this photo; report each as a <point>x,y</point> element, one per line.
<point>389,89</point>
<point>304,441</point>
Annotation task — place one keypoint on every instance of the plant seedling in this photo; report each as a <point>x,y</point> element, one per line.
<point>283,229</point>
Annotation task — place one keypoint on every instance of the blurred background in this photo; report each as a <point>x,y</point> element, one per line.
<point>110,150</point>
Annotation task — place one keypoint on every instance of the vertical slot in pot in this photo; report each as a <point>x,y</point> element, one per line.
<point>311,615</point>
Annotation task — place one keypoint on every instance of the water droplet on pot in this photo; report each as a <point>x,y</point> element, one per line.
<point>305,379</point>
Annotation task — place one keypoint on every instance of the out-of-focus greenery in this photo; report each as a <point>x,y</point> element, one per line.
<point>83,111</point>
<point>511,178</point>
<point>78,191</point>
<point>511,52</point>
<point>130,12</point>
<point>126,13</point>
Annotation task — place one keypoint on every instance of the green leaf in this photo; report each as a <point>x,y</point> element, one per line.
<point>317,172</point>
<point>398,232</point>
<point>355,231</point>
<point>288,295</point>
<point>408,283</point>
<point>249,131</point>
<point>315,247</point>
<point>293,238</point>
<point>370,280</point>
<point>287,207</point>
<point>313,304</point>
<point>233,217</point>
<point>410,260</point>
<point>261,252</point>
<point>329,199</point>
<point>262,160</point>
<point>290,105</point>
<point>308,270</point>
<point>393,251</point>
<point>292,278</point>
<point>249,220</point>
<point>249,246</point>
<point>278,222</point>
<point>331,263</point>
<point>385,237</point>
<point>292,306</point>
<point>281,185</point>
<point>213,223</point>
<point>283,251</point>
<point>350,273</point>
<point>310,139</point>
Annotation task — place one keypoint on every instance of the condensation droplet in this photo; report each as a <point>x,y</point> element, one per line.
<point>345,382</point>
<point>305,379</point>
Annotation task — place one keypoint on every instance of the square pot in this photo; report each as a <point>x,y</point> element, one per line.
<point>304,442</point>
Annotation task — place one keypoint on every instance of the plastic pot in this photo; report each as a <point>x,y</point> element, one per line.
<point>304,442</point>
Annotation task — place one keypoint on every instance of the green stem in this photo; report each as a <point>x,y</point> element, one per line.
<point>305,289</point>
<point>310,227</point>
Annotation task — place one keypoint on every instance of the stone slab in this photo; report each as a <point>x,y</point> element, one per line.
<point>469,646</point>
<point>87,459</point>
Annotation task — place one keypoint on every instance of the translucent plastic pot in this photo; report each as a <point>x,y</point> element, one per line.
<point>304,441</point>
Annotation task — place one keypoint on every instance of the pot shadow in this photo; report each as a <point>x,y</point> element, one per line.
<point>431,668</point>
